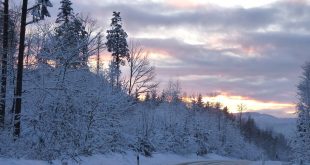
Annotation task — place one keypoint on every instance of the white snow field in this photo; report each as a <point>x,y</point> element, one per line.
<point>130,159</point>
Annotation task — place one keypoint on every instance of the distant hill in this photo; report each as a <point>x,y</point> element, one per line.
<point>285,126</point>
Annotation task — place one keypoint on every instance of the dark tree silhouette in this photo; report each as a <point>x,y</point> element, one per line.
<point>117,44</point>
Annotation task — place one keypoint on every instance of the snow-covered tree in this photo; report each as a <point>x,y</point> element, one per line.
<point>241,109</point>
<point>117,44</point>
<point>71,111</point>
<point>72,37</point>
<point>5,50</point>
<point>302,141</point>
<point>172,93</point>
<point>8,42</point>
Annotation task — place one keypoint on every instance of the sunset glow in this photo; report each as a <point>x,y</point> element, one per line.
<point>251,51</point>
<point>155,82</point>
<point>251,105</point>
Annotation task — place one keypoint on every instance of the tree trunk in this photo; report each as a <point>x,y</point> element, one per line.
<point>131,74</point>
<point>4,61</point>
<point>118,61</point>
<point>19,77</point>
<point>98,54</point>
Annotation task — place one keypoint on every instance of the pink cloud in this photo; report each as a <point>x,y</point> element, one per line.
<point>186,4</point>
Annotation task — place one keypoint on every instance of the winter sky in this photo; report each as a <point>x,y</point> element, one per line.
<point>241,51</point>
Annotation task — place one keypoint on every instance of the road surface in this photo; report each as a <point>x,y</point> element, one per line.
<point>219,162</point>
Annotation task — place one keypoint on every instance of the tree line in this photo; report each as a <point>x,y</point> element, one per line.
<point>69,108</point>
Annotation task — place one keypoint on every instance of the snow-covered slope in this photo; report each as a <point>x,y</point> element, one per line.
<point>285,126</point>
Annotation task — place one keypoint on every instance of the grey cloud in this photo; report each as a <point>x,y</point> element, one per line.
<point>137,17</point>
<point>280,53</point>
<point>267,78</point>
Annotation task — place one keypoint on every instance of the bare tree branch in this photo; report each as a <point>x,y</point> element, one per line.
<point>141,73</point>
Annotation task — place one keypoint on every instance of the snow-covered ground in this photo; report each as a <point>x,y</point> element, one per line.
<point>130,159</point>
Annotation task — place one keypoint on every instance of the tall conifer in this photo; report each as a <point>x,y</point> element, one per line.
<point>117,43</point>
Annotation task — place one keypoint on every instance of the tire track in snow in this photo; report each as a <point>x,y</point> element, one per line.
<point>237,162</point>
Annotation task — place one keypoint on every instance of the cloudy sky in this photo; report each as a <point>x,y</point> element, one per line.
<point>244,51</point>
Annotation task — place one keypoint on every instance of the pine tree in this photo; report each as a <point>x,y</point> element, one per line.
<point>117,43</point>
<point>72,37</point>
<point>226,111</point>
<point>199,101</point>
<point>66,13</point>
<point>302,142</point>
<point>147,97</point>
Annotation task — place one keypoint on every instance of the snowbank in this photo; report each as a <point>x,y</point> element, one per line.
<point>128,159</point>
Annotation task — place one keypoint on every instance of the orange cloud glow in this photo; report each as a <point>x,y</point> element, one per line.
<point>252,105</point>
<point>162,58</point>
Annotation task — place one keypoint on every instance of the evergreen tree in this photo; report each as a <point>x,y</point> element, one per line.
<point>248,129</point>
<point>208,105</point>
<point>226,111</point>
<point>302,142</point>
<point>71,36</point>
<point>147,97</point>
<point>66,12</point>
<point>117,43</point>
<point>199,101</point>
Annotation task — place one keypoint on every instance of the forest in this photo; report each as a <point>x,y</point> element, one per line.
<point>59,101</point>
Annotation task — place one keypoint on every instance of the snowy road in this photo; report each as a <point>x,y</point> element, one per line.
<point>231,162</point>
<point>219,162</point>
